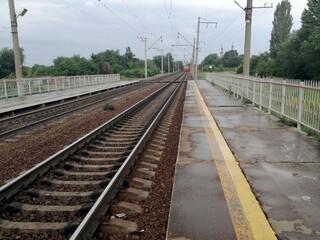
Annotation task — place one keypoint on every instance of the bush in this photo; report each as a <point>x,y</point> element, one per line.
<point>138,73</point>
<point>108,107</point>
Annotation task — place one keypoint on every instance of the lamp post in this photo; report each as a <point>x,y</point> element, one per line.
<point>16,47</point>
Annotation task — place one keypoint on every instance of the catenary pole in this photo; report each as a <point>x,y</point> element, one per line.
<point>197,50</point>
<point>247,42</point>
<point>16,48</point>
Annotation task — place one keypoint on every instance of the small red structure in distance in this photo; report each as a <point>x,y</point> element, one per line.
<point>186,69</point>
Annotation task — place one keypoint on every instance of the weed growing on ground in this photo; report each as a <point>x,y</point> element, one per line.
<point>108,107</point>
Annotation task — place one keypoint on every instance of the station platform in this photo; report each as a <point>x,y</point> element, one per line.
<point>13,104</point>
<point>242,174</point>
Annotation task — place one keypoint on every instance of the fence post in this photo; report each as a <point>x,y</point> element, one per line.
<point>48,84</point>
<point>5,88</point>
<point>238,87</point>
<point>284,82</point>
<point>301,92</point>
<point>39,85</point>
<point>247,92</point>
<point>260,100</point>
<point>242,89</point>
<point>254,92</point>
<point>29,85</point>
<point>270,97</point>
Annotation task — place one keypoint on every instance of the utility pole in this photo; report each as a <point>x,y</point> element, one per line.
<point>197,45</point>
<point>161,61</point>
<point>144,39</point>
<point>193,56</point>
<point>172,64</point>
<point>197,50</point>
<point>16,47</point>
<point>247,42</point>
<point>168,63</point>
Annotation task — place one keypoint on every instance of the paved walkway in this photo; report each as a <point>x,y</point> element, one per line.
<point>8,105</point>
<point>279,171</point>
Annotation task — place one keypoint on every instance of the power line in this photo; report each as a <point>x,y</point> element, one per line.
<point>235,31</point>
<point>132,12</point>
<point>120,18</point>
<point>84,15</point>
<point>220,33</point>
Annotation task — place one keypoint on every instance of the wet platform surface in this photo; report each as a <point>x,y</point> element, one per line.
<point>11,104</point>
<point>198,206</point>
<point>281,165</point>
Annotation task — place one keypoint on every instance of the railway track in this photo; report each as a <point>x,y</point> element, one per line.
<point>66,195</point>
<point>39,114</point>
<point>141,208</point>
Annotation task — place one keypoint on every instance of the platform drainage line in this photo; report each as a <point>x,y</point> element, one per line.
<point>247,216</point>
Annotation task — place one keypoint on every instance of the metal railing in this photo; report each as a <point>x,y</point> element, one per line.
<point>8,87</point>
<point>293,99</point>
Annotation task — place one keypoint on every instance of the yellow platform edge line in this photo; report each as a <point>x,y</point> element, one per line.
<point>258,223</point>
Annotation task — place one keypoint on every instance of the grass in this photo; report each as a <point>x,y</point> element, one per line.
<point>311,132</point>
<point>287,121</point>
<point>246,101</point>
<point>201,75</point>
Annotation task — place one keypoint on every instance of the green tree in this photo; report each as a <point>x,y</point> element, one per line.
<point>72,66</point>
<point>230,59</point>
<point>7,66</point>
<point>113,57</point>
<point>128,56</point>
<point>157,61</point>
<point>282,24</point>
<point>260,65</point>
<point>310,39</point>
<point>210,60</point>
<point>41,70</point>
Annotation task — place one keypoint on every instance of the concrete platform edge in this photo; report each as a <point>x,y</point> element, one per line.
<point>258,223</point>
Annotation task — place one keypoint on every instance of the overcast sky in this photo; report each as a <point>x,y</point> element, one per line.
<point>53,28</point>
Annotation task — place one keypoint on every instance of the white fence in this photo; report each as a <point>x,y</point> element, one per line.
<point>293,99</point>
<point>30,86</point>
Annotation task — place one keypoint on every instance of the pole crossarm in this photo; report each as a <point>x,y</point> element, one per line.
<point>180,45</point>
<point>179,34</point>
<point>160,38</point>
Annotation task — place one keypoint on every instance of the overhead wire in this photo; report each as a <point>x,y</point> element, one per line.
<point>135,15</point>
<point>79,12</point>
<point>230,34</point>
<point>120,18</point>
